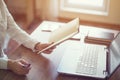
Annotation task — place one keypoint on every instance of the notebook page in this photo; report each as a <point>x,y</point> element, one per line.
<point>66,31</point>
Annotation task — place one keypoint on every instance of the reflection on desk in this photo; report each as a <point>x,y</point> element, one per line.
<point>44,66</point>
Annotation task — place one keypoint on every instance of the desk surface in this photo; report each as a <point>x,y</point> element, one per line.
<point>44,66</point>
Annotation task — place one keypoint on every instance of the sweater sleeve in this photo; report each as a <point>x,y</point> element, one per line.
<point>3,60</point>
<point>18,34</point>
<point>3,63</point>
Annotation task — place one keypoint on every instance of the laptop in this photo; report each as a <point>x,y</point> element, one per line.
<point>63,33</point>
<point>90,60</point>
<point>116,74</point>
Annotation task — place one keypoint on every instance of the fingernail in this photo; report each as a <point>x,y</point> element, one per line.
<point>26,66</point>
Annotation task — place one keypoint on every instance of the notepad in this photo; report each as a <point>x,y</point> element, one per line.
<point>99,37</point>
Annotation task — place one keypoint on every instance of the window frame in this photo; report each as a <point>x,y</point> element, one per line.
<point>66,6</point>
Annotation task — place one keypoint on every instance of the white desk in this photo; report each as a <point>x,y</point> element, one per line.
<point>42,36</point>
<point>44,67</point>
<point>57,54</point>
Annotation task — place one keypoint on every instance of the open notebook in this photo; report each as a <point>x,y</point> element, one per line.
<point>63,33</point>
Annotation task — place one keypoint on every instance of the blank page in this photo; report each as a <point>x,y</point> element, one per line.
<point>65,30</point>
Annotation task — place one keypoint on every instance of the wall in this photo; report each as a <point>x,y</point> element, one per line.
<point>48,8</point>
<point>16,6</point>
<point>112,18</point>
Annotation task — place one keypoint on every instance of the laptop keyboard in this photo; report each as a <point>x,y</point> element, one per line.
<point>87,62</point>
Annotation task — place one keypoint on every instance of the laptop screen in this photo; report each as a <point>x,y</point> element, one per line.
<point>114,53</point>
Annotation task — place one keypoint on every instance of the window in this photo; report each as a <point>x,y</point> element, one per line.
<point>86,6</point>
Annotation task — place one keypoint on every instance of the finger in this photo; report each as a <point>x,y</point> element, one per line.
<point>53,47</point>
<point>48,51</point>
<point>51,43</point>
<point>27,66</point>
<point>24,62</point>
<point>47,44</point>
<point>18,68</point>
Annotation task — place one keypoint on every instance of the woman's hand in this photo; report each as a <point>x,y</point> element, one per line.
<point>40,46</point>
<point>20,66</point>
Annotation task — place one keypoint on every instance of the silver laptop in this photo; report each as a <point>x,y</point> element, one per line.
<point>116,74</point>
<point>90,60</point>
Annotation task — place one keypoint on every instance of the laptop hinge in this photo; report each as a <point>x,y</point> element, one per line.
<point>105,73</point>
<point>107,51</point>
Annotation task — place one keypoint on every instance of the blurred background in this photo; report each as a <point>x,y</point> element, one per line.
<point>30,13</point>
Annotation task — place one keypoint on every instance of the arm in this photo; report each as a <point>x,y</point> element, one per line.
<point>23,38</point>
<point>13,30</point>
<point>17,66</point>
<point>18,34</point>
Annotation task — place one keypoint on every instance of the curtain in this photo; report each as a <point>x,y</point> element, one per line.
<point>49,9</point>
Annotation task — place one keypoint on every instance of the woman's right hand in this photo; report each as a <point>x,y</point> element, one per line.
<point>20,66</point>
<point>40,46</point>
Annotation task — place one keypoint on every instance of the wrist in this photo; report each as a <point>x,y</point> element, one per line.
<point>10,63</point>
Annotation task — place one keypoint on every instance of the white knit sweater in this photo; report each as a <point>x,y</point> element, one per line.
<point>9,27</point>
